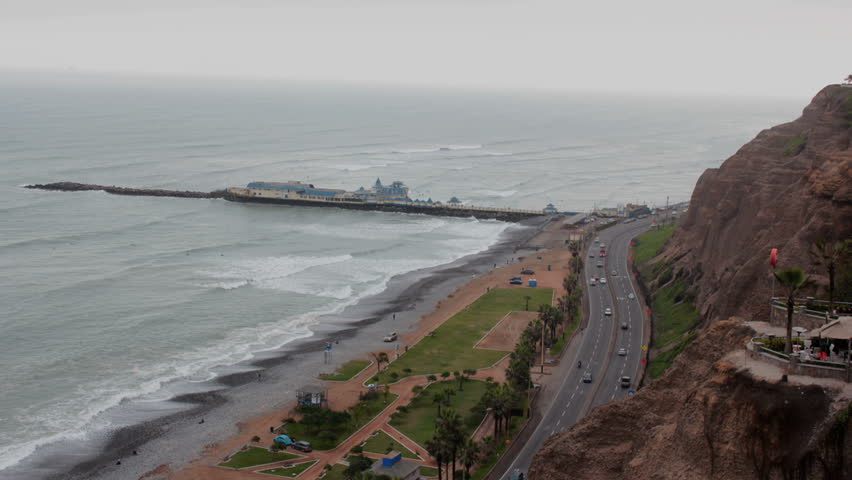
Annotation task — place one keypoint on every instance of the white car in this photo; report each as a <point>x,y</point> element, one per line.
<point>603,279</point>
<point>391,337</point>
<point>622,352</point>
<point>631,296</point>
<point>607,311</point>
<point>592,282</point>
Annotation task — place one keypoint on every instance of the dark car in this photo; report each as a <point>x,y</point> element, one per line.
<point>624,325</point>
<point>527,271</point>
<point>625,382</point>
<point>587,377</point>
<point>302,446</point>
<point>516,281</point>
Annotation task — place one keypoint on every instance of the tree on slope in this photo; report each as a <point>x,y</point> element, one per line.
<point>829,255</point>
<point>792,280</point>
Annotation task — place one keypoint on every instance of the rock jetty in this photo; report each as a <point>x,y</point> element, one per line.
<point>142,192</point>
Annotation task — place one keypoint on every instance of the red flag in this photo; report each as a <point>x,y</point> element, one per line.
<point>773,257</point>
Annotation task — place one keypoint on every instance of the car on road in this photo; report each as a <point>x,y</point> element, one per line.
<point>625,382</point>
<point>607,311</point>
<point>622,352</point>
<point>614,273</point>
<point>302,446</point>
<point>527,271</point>
<point>592,282</point>
<point>516,281</point>
<point>592,255</point>
<point>391,337</point>
<point>631,296</point>
<point>600,264</point>
<point>602,245</point>
<point>517,475</point>
<point>598,240</point>
<point>603,279</point>
<point>587,377</point>
<point>624,325</point>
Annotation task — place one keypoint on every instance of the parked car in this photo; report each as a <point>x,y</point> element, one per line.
<point>527,271</point>
<point>624,325</point>
<point>625,382</point>
<point>391,337</point>
<point>622,352</point>
<point>302,446</point>
<point>607,311</point>
<point>516,281</point>
<point>587,377</point>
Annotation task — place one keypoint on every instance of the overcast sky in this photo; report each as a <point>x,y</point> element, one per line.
<point>777,47</point>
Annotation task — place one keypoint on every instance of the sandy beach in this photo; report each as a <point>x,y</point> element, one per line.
<point>536,253</point>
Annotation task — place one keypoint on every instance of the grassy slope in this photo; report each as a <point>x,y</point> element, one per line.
<point>674,314</point>
<point>382,443</point>
<point>256,456</point>
<point>451,347</point>
<point>346,371</point>
<point>419,423</point>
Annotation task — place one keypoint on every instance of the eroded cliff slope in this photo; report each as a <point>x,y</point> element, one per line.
<point>790,186</point>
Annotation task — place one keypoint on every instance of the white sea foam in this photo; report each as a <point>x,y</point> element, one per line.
<point>496,193</point>
<point>440,148</point>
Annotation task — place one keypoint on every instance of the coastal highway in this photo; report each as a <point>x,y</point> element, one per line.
<point>569,399</point>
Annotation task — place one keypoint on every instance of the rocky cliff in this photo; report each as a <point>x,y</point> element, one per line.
<point>705,419</point>
<point>785,189</point>
<point>709,418</point>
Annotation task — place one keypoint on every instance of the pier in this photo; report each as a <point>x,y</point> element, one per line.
<point>315,199</point>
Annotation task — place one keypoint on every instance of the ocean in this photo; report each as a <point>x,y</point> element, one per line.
<point>109,303</point>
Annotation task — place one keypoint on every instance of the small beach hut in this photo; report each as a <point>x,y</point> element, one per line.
<point>312,395</point>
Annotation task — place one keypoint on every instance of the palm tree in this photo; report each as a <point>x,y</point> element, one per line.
<point>848,79</point>
<point>380,358</point>
<point>438,399</point>
<point>792,280</point>
<point>449,428</point>
<point>829,255</point>
<point>437,448</point>
<point>470,453</point>
<point>527,299</point>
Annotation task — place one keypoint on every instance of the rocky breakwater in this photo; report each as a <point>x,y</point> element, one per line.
<point>786,189</point>
<point>80,187</point>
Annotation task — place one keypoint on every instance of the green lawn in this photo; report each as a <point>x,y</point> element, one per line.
<point>346,371</point>
<point>649,245</point>
<point>256,456</point>
<point>382,443</point>
<point>336,472</point>
<point>329,436</point>
<point>291,472</point>
<point>418,423</point>
<point>451,347</point>
<point>674,313</point>
<point>428,472</point>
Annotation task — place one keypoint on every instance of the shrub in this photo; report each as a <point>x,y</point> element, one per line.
<point>394,375</point>
<point>357,449</point>
<point>255,439</point>
<point>406,371</point>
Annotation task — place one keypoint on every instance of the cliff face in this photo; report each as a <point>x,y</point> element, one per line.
<point>785,189</point>
<point>706,420</point>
